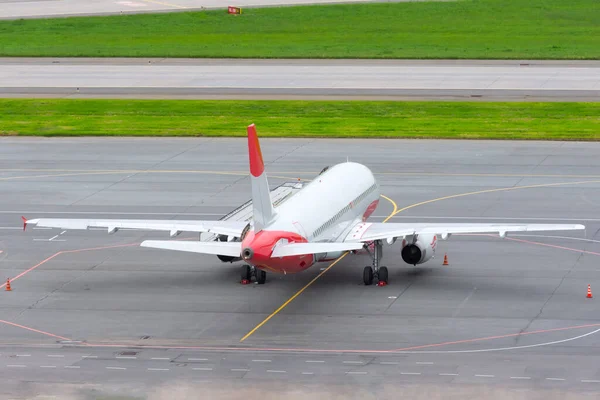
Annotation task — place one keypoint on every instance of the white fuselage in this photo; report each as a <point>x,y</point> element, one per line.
<point>329,206</point>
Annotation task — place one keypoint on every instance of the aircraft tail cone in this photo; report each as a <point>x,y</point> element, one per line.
<point>8,288</point>
<point>589,293</point>
<point>445,260</point>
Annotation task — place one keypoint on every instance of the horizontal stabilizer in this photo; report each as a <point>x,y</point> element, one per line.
<point>296,249</point>
<point>232,249</point>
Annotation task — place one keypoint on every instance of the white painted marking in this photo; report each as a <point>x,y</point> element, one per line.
<point>23,355</point>
<point>16,366</point>
<point>56,355</point>
<point>116,368</point>
<point>197,359</point>
<point>392,297</point>
<point>41,228</point>
<point>470,218</point>
<point>314,361</point>
<point>447,374</point>
<point>275,371</point>
<point>202,369</point>
<point>500,348</point>
<point>484,376</point>
<point>126,357</point>
<point>47,240</point>
<point>261,360</point>
<point>47,366</point>
<point>520,377</point>
<point>158,369</point>
<point>424,363</point>
<point>352,362</point>
<point>89,356</point>
<point>590,381</point>
<point>53,237</point>
<point>72,366</point>
<point>555,379</point>
<point>462,303</point>
<point>10,227</point>
<point>389,363</point>
<point>240,369</point>
<point>308,373</point>
<point>410,373</point>
<point>357,372</point>
<point>160,358</point>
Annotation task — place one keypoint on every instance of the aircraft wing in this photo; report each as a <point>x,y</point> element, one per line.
<point>366,232</point>
<point>174,227</point>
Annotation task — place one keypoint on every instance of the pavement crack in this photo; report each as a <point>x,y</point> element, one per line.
<point>548,299</point>
<point>400,294</point>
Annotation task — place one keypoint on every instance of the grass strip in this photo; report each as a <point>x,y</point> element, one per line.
<point>464,29</point>
<point>332,119</point>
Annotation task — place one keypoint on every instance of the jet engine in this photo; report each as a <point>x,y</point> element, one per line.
<point>419,251</point>
<point>229,259</point>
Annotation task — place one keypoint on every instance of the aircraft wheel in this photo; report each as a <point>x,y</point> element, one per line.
<point>246,273</point>
<point>368,276</point>
<point>383,275</point>
<point>261,276</point>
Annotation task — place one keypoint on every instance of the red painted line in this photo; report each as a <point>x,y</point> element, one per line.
<point>64,252</point>
<point>300,350</point>
<point>33,330</point>
<point>31,269</point>
<point>497,337</point>
<point>553,246</point>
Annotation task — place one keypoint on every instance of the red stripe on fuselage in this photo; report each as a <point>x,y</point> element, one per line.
<point>257,166</point>
<point>262,244</point>
<point>370,210</point>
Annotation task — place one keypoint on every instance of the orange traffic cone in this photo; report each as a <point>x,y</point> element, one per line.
<point>445,260</point>
<point>8,289</point>
<point>589,294</point>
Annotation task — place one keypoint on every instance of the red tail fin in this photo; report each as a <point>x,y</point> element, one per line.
<point>262,207</point>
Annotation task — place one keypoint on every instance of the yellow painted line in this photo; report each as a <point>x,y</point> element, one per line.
<point>394,211</point>
<point>292,173</point>
<point>397,211</point>
<point>162,3</point>
<point>299,292</point>
<point>505,189</point>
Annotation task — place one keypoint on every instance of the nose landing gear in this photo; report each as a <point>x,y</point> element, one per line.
<point>375,271</point>
<point>249,271</point>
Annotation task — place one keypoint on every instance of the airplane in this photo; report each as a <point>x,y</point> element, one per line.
<point>323,220</point>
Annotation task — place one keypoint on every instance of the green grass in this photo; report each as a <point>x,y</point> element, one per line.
<point>465,29</point>
<point>453,120</point>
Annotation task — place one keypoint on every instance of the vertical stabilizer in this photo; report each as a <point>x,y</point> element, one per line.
<point>262,207</point>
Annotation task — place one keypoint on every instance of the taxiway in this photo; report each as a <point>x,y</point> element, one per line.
<point>506,317</point>
<point>301,79</point>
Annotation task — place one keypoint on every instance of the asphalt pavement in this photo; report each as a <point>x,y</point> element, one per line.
<point>92,314</point>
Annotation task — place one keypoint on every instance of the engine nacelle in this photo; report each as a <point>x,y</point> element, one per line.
<point>229,259</point>
<point>332,255</point>
<point>420,251</point>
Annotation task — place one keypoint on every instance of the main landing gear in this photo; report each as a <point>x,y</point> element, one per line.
<point>249,271</point>
<point>375,271</point>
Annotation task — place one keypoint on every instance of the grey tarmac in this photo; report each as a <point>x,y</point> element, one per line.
<point>13,9</point>
<point>506,318</point>
<point>519,80</point>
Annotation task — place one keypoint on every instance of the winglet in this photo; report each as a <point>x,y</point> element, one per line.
<point>24,223</point>
<point>257,165</point>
